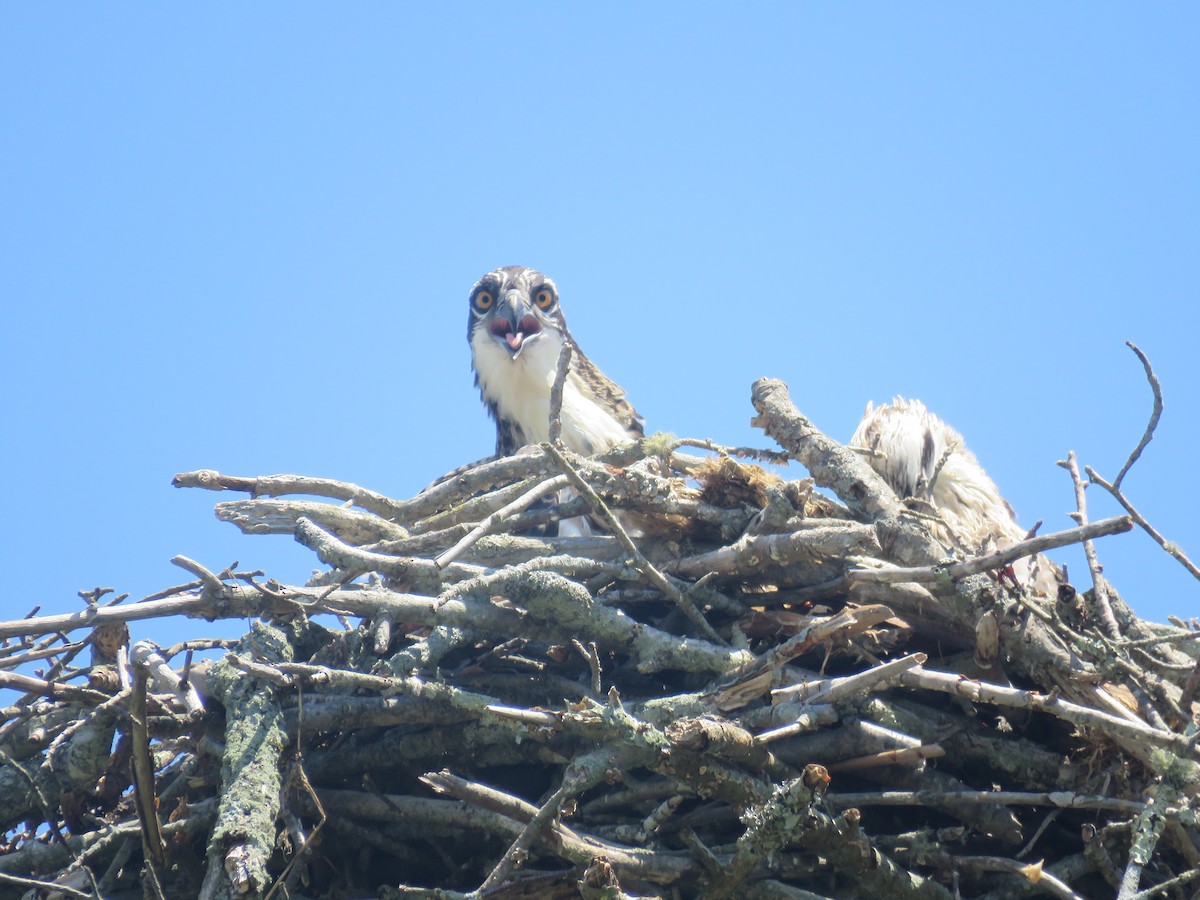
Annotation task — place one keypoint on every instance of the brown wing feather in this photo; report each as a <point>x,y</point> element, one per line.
<point>608,393</point>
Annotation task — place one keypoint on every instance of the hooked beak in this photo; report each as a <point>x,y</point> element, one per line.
<point>514,323</point>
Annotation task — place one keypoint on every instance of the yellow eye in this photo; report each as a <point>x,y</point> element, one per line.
<point>544,298</point>
<point>484,300</point>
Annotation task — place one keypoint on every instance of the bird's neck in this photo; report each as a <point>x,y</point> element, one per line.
<point>520,391</point>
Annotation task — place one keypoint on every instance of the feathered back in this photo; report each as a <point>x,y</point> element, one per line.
<point>907,444</point>
<point>611,395</point>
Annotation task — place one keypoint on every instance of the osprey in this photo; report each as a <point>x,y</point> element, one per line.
<point>907,443</point>
<point>516,330</point>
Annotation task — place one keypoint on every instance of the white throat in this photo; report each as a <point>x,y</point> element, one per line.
<point>520,389</point>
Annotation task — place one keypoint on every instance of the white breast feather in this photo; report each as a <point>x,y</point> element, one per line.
<point>520,388</point>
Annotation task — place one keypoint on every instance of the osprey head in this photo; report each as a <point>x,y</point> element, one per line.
<point>515,306</point>
<point>516,331</point>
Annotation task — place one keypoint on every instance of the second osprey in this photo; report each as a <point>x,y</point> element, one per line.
<point>516,330</point>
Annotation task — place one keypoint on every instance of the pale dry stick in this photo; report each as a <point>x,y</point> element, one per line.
<point>176,589</point>
<point>1047,821</point>
<point>830,539</point>
<point>281,485</point>
<point>513,547</point>
<point>1031,873</point>
<point>145,653</point>
<point>663,867</point>
<point>501,476</point>
<point>270,516</point>
<point>1164,639</point>
<point>638,834</point>
<point>53,689</point>
<point>909,756</point>
<point>831,690</point>
<point>831,465</point>
<point>999,559</point>
<point>333,551</point>
<point>805,719</point>
<point>775,457</point>
<point>1168,885</point>
<point>547,813</point>
<point>1055,799</point>
<point>260,670</point>
<point>234,605</point>
<point>1147,704</point>
<point>124,672</point>
<point>982,692</point>
<point>534,717</point>
<point>592,657</point>
<point>447,492</point>
<point>834,689</point>
<point>145,798</point>
<point>1155,414</point>
<point>7,648</point>
<point>13,662</point>
<point>1170,546</point>
<point>55,672</point>
<point>1105,700</point>
<point>382,639</point>
<point>556,390</point>
<point>755,679</point>
<point>643,565</point>
<point>1115,488</point>
<point>493,522</point>
<point>208,578</point>
<point>704,856</point>
<point>1052,884</point>
<point>44,888</point>
<point>1099,582</point>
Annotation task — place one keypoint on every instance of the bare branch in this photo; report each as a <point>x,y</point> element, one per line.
<point>1099,582</point>
<point>556,389</point>
<point>996,560</point>
<point>1155,415</point>
<point>1170,546</point>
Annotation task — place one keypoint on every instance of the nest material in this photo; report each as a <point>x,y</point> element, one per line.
<point>764,693</point>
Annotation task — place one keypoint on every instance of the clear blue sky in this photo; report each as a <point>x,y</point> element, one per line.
<point>241,236</point>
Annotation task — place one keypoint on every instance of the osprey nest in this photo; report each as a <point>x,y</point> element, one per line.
<point>730,685</point>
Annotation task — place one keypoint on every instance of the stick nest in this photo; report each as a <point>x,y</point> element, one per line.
<point>735,686</point>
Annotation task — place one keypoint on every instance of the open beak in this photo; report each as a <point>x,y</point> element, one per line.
<point>514,323</point>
